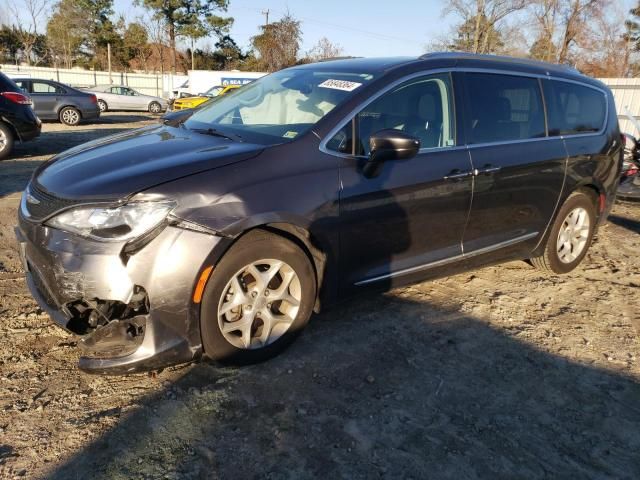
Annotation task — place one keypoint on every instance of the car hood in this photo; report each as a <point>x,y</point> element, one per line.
<point>121,165</point>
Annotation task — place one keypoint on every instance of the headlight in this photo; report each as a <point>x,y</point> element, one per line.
<point>113,224</point>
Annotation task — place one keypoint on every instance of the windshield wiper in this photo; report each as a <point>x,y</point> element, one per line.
<point>218,133</point>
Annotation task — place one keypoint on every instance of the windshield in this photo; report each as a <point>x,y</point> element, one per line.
<point>213,91</point>
<point>279,107</point>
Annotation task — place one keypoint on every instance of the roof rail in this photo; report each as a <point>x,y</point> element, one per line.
<point>331,59</point>
<point>498,58</point>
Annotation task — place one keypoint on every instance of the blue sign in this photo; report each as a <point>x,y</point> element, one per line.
<point>235,81</point>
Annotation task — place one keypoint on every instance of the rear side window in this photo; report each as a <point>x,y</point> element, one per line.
<point>574,109</point>
<point>41,87</point>
<point>503,108</point>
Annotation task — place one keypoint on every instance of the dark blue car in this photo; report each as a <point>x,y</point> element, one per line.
<point>18,122</point>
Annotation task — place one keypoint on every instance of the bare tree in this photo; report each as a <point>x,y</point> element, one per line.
<point>27,15</point>
<point>605,46</point>
<point>158,36</point>
<point>324,50</point>
<point>546,14</point>
<point>481,20</point>
<point>575,16</point>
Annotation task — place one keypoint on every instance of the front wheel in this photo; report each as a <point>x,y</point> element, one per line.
<point>570,235</point>
<point>6,141</point>
<point>259,297</point>
<point>70,116</point>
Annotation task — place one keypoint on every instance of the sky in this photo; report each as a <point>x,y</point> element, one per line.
<point>360,27</point>
<point>369,28</point>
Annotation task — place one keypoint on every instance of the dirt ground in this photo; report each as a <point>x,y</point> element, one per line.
<point>497,373</point>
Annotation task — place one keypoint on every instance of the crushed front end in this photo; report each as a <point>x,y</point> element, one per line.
<point>129,302</point>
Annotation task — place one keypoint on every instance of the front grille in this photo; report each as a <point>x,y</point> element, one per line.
<point>48,204</point>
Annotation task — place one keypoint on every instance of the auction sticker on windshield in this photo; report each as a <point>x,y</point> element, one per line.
<point>340,85</point>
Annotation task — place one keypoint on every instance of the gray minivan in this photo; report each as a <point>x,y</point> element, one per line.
<point>221,233</point>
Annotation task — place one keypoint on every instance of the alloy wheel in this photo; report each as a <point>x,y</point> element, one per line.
<point>70,116</point>
<point>3,141</point>
<point>573,235</point>
<point>259,304</point>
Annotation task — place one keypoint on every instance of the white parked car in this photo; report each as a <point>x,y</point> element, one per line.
<point>121,97</point>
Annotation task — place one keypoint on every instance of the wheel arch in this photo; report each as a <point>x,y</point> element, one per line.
<point>593,188</point>
<point>589,186</point>
<point>295,230</point>
<point>10,126</point>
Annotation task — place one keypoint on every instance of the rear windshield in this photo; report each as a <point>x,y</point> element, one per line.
<point>7,85</point>
<point>574,109</point>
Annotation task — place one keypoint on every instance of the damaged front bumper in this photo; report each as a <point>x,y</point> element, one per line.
<point>132,312</point>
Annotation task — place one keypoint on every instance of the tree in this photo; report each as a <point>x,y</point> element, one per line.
<point>9,43</point>
<point>477,33</point>
<point>324,50</point>
<point>575,15</point>
<point>278,44</point>
<point>136,45</point>
<point>65,34</point>
<point>27,15</point>
<point>481,20</point>
<point>190,18</point>
<point>81,30</point>
<point>566,29</point>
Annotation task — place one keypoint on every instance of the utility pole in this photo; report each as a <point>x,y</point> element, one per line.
<point>109,61</point>
<point>266,14</point>
<point>193,58</point>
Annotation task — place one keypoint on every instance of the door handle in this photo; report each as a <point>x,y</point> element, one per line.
<point>486,170</point>
<point>457,174</point>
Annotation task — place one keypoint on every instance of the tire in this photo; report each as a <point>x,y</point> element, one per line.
<point>70,116</point>
<point>103,106</point>
<point>255,247</point>
<point>155,108</point>
<point>567,245</point>
<point>6,141</point>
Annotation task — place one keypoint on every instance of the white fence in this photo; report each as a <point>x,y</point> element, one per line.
<point>626,92</point>
<point>151,84</point>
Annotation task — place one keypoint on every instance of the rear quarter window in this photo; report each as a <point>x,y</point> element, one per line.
<point>574,109</point>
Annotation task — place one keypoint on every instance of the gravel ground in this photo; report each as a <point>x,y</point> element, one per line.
<point>497,373</point>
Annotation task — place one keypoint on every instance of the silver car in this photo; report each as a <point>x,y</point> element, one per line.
<point>120,97</point>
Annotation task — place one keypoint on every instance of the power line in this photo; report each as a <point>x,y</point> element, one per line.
<point>380,36</point>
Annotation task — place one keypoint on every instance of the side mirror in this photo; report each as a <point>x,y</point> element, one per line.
<point>389,144</point>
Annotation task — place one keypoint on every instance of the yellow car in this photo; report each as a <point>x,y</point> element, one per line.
<point>192,102</point>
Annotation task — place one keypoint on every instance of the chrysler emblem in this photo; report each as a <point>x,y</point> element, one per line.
<point>32,200</point>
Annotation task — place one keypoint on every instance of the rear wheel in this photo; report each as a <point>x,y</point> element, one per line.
<point>102,105</point>
<point>6,141</point>
<point>70,116</point>
<point>155,107</point>
<point>259,297</point>
<point>570,235</point>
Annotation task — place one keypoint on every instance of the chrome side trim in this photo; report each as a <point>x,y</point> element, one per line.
<point>446,261</point>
